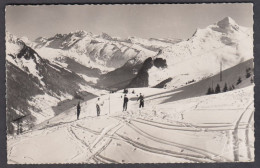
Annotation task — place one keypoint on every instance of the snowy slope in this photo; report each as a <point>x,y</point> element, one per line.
<point>35,85</point>
<point>199,129</point>
<point>200,56</point>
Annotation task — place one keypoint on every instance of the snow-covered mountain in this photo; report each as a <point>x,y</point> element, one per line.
<point>100,51</point>
<point>35,85</point>
<point>100,54</point>
<point>201,56</point>
<point>55,68</point>
<point>183,93</point>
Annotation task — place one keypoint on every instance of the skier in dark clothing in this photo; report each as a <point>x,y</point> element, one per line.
<point>78,110</point>
<point>98,105</point>
<point>125,103</point>
<point>141,98</point>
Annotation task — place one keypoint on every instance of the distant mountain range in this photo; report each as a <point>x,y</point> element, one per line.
<point>101,51</point>
<point>43,72</point>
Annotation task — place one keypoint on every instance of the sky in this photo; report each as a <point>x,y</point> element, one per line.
<point>144,21</point>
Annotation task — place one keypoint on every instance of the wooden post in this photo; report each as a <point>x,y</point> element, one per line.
<point>109,103</point>
<point>220,71</point>
<point>18,127</point>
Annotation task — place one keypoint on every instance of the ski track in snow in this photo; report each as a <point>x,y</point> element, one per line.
<point>99,148</point>
<point>235,133</point>
<point>247,136</point>
<point>94,150</point>
<point>193,158</point>
<point>206,153</point>
<point>85,146</point>
<point>188,127</point>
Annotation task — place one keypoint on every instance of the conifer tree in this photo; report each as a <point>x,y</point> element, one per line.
<point>209,91</point>
<point>239,80</point>
<point>217,89</point>
<point>248,74</point>
<point>225,88</point>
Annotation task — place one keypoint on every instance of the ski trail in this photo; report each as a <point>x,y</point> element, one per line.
<point>106,159</point>
<point>247,136</point>
<point>98,160</point>
<point>235,134</point>
<point>81,141</point>
<point>103,133</point>
<point>190,157</point>
<point>94,149</point>
<point>187,127</point>
<point>182,124</point>
<point>178,128</point>
<point>85,146</point>
<point>107,135</point>
<point>95,132</point>
<point>206,153</point>
<point>87,129</point>
<point>99,149</point>
<point>97,157</point>
<point>56,125</point>
<point>9,154</point>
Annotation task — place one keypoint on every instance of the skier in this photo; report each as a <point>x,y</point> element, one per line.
<point>125,103</point>
<point>78,110</point>
<point>141,98</point>
<point>98,105</point>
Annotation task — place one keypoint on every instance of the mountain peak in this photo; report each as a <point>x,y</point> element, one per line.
<point>59,35</point>
<point>106,36</point>
<point>81,33</point>
<point>226,22</point>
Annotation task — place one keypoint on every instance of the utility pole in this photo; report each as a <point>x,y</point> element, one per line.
<point>109,103</point>
<point>212,86</point>
<point>18,127</point>
<point>220,74</point>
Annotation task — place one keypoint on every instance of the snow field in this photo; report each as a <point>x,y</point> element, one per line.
<point>157,133</point>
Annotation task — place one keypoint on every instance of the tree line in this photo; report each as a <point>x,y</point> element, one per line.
<point>226,88</point>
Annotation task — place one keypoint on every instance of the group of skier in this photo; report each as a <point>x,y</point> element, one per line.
<point>141,103</point>
<point>98,106</point>
<point>99,103</point>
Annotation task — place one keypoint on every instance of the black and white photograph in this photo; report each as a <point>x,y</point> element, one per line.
<point>133,83</point>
